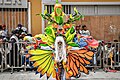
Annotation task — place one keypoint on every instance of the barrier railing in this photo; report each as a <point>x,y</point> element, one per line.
<point>12,56</point>
<point>4,50</point>
<point>97,61</point>
<point>111,55</point>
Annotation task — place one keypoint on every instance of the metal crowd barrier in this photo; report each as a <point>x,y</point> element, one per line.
<point>106,56</point>
<point>3,52</point>
<point>12,56</point>
<point>97,61</point>
<point>111,56</point>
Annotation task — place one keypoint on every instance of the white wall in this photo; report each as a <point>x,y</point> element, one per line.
<point>44,1</point>
<point>97,9</point>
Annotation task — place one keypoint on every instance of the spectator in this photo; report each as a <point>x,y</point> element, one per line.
<point>14,48</point>
<point>109,57</point>
<point>22,35</point>
<point>80,29</point>
<point>3,36</point>
<point>100,50</point>
<point>1,39</point>
<point>5,31</point>
<point>23,48</point>
<point>21,29</point>
<point>85,31</point>
<point>116,51</point>
<point>29,35</point>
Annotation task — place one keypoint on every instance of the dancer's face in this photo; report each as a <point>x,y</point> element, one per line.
<point>60,44</point>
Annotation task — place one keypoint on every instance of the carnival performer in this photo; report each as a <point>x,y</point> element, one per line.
<point>62,58</point>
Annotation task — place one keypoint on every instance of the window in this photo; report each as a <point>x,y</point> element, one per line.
<point>89,10</point>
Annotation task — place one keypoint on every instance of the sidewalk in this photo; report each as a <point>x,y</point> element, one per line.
<point>99,75</point>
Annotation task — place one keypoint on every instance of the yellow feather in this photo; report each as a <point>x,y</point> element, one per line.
<point>51,69</point>
<point>47,66</point>
<point>39,52</point>
<point>43,37</point>
<point>35,58</point>
<point>37,63</point>
<point>54,74</point>
<point>43,65</point>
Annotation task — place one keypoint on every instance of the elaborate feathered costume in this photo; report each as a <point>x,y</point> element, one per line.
<point>57,54</point>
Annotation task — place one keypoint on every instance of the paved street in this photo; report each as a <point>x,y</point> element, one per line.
<point>99,75</point>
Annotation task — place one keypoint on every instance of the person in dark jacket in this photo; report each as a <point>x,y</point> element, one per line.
<point>14,51</point>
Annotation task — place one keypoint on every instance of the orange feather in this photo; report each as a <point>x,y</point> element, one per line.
<point>88,57</point>
<point>81,60</point>
<point>90,53</point>
<point>77,63</point>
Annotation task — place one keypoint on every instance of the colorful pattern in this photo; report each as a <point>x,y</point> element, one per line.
<point>55,52</point>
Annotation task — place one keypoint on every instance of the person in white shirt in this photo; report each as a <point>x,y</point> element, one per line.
<point>85,31</point>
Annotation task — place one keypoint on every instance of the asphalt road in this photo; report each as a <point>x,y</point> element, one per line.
<point>99,75</point>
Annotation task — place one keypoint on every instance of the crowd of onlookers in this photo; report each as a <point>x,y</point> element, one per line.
<point>19,32</point>
<point>107,51</point>
<point>17,36</point>
<point>82,30</point>
<point>110,50</point>
<point>111,53</point>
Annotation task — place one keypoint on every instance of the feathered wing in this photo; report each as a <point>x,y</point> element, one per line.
<point>77,59</point>
<point>43,61</point>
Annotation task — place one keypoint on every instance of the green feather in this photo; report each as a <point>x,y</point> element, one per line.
<point>73,44</point>
<point>43,44</point>
<point>56,1</point>
<point>71,37</point>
